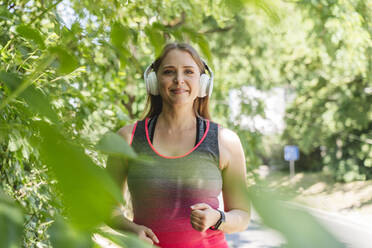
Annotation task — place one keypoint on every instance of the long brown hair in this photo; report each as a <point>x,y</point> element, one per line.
<point>154,104</point>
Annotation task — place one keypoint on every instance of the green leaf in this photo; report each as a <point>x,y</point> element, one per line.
<point>63,234</point>
<point>233,5</point>
<point>39,103</point>
<point>119,34</point>
<point>156,39</point>
<point>125,239</point>
<point>31,34</point>
<point>287,219</point>
<point>268,6</point>
<point>89,192</point>
<point>236,6</point>
<point>11,80</point>
<point>204,47</point>
<point>4,13</point>
<point>67,61</point>
<point>11,222</point>
<point>113,144</point>
<point>201,41</point>
<point>119,38</point>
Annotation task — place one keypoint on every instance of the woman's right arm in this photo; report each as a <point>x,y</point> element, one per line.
<point>117,167</point>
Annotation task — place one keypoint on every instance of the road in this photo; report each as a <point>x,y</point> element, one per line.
<point>256,236</point>
<point>354,230</point>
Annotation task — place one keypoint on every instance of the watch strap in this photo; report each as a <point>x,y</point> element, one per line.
<point>222,219</point>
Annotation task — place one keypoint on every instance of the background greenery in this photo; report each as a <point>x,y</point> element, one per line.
<point>67,79</point>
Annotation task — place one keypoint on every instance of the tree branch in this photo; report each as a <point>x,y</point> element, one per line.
<point>128,105</point>
<point>217,30</point>
<point>45,10</point>
<point>177,22</point>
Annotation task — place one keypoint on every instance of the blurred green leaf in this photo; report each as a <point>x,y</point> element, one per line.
<point>88,190</point>
<point>16,85</point>
<point>269,6</point>
<point>39,103</point>
<point>31,34</point>
<point>156,39</point>
<point>11,80</point>
<point>4,13</point>
<point>112,144</point>
<point>200,40</point>
<point>298,227</point>
<point>67,61</point>
<point>63,235</point>
<point>119,34</point>
<point>234,5</point>
<point>11,222</point>
<point>125,239</point>
<point>120,37</point>
<point>36,100</point>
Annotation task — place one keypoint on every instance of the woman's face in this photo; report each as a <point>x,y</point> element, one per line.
<point>178,76</point>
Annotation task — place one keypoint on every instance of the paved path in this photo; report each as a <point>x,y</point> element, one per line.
<point>255,237</point>
<point>354,231</point>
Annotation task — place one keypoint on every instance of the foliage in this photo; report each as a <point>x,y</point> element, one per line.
<point>65,85</point>
<point>332,110</point>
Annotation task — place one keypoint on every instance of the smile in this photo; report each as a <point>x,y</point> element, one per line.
<point>179,91</point>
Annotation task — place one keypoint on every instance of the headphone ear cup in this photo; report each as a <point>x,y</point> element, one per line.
<point>204,85</point>
<point>152,84</point>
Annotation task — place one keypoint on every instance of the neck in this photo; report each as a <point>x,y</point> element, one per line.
<point>176,119</point>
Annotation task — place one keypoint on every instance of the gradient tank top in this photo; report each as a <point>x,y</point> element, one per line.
<point>163,191</point>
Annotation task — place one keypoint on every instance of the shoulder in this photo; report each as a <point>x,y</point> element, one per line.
<point>127,131</point>
<point>229,145</point>
<point>228,138</point>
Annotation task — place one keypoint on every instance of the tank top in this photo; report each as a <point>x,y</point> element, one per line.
<point>163,188</point>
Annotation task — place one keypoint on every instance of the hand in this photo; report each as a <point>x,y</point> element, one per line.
<point>203,216</point>
<point>146,234</point>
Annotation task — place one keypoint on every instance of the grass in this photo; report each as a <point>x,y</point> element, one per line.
<point>323,192</point>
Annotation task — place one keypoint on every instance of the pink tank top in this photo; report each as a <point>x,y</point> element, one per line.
<point>163,190</point>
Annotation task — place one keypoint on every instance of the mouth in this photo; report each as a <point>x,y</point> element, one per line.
<point>178,91</point>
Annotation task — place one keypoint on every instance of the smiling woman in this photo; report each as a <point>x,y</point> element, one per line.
<point>175,198</point>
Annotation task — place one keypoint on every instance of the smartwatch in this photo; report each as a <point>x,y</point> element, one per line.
<point>222,219</point>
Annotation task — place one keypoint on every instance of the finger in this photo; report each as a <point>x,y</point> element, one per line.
<point>199,206</point>
<point>145,238</point>
<point>152,235</point>
<point>198,213</point>
<point>196,226</point>
<point>196,220</point>
<point>197,217</point>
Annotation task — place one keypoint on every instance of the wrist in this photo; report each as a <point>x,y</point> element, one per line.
<point>221,220</point>
<point>133,227</point>
<point>121,223</point>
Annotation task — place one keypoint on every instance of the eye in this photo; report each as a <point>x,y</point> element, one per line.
<point>189,72</point>
<point>167,71</point>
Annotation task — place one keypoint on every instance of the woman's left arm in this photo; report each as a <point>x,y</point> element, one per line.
<point>237,206</point>
<point>234,174</point>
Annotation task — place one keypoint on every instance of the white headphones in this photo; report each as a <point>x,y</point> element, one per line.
<point>206,81</point>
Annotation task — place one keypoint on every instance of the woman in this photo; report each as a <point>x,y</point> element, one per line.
<point>175,197</point>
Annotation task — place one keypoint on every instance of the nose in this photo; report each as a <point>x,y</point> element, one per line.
<point>178,78</point>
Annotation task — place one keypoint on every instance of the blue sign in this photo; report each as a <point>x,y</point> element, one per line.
<point>291,153</point>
